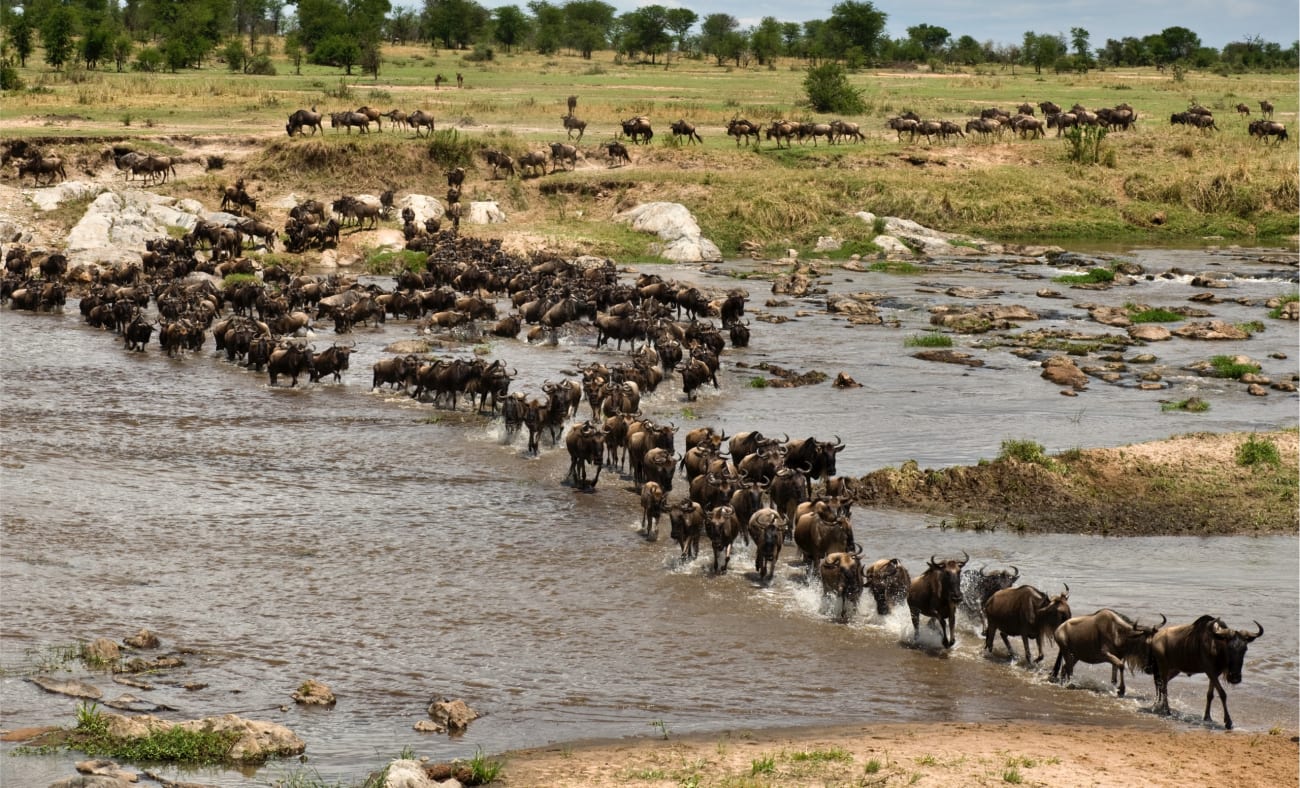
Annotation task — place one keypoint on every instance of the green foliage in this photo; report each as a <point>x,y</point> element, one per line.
<point>481,54</point>
<point>828,90</point>
<point>758,382</point>
<point>389,261</point>
<point>484,770</point>
<point>1189,405</point>
<point>873,766</point>
<point>1229,367</point>
<point>1258,451</point>
<point>661,726</point>
<point>1027,451</point>
<point>234,280</point>
<point>764,765</point>
<point>174,745</point>
<point>1155,315</point>
<point>148,60</point>
<point>1251,327</point>
<point>9,79</point>
<point>835,754</point>
<point>450,149</point>
<point>1276,312</point>
<point>1094,276</point>
<point>894,267</point>
<point>1012,776</point>
<point>1083,143</point>
<point>928,339</point>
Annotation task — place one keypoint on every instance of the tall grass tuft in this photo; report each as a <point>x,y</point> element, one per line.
<point>1258,451</point>
<point>1230,367</point>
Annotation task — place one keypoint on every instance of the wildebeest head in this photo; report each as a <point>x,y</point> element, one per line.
<point>1234,643</point>
<point>949,572</point>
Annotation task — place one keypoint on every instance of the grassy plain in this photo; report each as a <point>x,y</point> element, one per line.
<point>1157,184</point>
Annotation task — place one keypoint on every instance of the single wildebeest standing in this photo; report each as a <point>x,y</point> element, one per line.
<point>936,594</point>
<point>1204,646</point>
<point>1104,636</point>
<point>1024,612</point>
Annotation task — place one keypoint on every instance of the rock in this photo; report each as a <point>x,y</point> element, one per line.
<point>456,715</point>
<point>1151,386</point>
<point>843,381</point>
<point>1110,316</point>
<point>891,246</point>
<point>92,781</point>
<point>1256,390</point>
<point>1208,281</point>
<point>795,284</point>
<point>1062,371</point>
<point>71,687</point>
<point>1290,311</point>
<point>488,212</point>
<point>1212,330</point>
<point>314,693</point>
<point>1205,298</point>
<point>48,199</point>
<point>852,304</point>
<point>979,319</point>
<point>404,346</point>
<point>1149,332</point>
<point>453,772</point>
<point>972,292</point>
<point>675,225</point>
<point>1049,293</point>
<point>1254,377</point>
<point>257,740</point>
<point>406,773</point>
<point>919,237</point>
<point>827,243</point>
<point>129,702</point>
<point>101,651</point>
<point>949,356</point>
<point>1143,358</point>
<point>1283,385</point>
<point>143,639</point>
<point>27,734</point>
<point>429,726</point>
<point>118,222</point>
<point>425,207</point>
<point>108,768</point>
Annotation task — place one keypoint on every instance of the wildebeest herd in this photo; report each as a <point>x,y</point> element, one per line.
<point>745,487</point>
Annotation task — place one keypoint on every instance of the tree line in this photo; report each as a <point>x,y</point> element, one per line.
<point>150,35</point>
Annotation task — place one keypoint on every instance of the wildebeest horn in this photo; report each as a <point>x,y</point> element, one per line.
<point>932,562</point>
<point>981,571</point>
<point>1163,621</point>
<point>1257,634</point>
<point>785,439</point>
<point>857,549</point>
<point>806,469</point>
<point>967,559</point>
<point>1067,590</point>
<point>1016,576</point>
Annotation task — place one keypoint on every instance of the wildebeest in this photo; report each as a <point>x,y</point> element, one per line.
<point>331,361</point>
<point>742,129</point>
<point>653,499</point>
<point>841,129</point>
<point>901,124</point>
<point>842,577</point>
<point>936,594</point>
<point>1049,107</point>
<point>888,580</point>
<point>1024,612</point>
<point>1265,109</point>
<point>978,586</point>
<point>1206,646</point>
<point>781,130</point>
<point>572,103</point>
<point>1104,636</point>
<point>302,119</point>
<point>1242,109</point>
<point>499,162</point>
<point>1263,129</point>
<point>766,529</point>
<point>637,129</point>
<point>562,153</point>
<point>722,527</point>
<point>586,444</point>
<point>38,166</point>
<point>289,359</point>
<point>687,521</point>
<point>419,119</point>
<point>681,128</point>
<point>820,532</point>
<point>572,124</point>
<point>532,161</point>
<point>372,116</point>
<point>349,119</point>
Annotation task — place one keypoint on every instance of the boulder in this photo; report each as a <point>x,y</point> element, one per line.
<point>826,243</point>
<point>928,241</point>
<point>674,224</point>
<point>314,693</point>
<point>406,773</point>
<point>891,246</point>
<point>49,198</point>
<point>1062,371</point>
<point>845,381</point>
<point>107,768</point>
<point>93,781</point>
<point>1110,316</point>
<point>143,639</point>
<point>257,740</point>
<point>424,206</point>
<point>949,356</point>
<point>71,687</point>
<point>485,212</point>
<point>101,651</point>
<point>1211,330</point>
<point>117,224</point>
<point>454,715</point>
<point>1149,332</point>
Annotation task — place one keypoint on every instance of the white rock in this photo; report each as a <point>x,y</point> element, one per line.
<point>486,212</point>
<point>683,241</point>
<point>890,245</point>
<point>424,206</point>
<point>827,243</point>
<point>52,197</point>
<point>407,773</point>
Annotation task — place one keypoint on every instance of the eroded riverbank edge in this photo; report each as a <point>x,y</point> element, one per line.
<point>1187,485</point>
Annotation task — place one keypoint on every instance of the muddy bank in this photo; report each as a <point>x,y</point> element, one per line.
<point>1189,485</point>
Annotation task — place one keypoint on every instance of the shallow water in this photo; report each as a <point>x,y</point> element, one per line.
<point>396,554</point>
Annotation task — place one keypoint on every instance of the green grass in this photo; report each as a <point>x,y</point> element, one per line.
<point>1139,314</point>
<point>872,766</point>
<point>1094,276</point>
<point>764,765</point>
<point>174,745</point>
<point>483,769</point>
<point>834,754</point>
<point>1189,405</point>
<point>928,339</point>
<point>1251,327</point>
<point>1258,451</point>
<point>388,261</point>
<point>1276,312</point>
<point>895,267</point>
<point>1025,451</point>
<point>235,280</point>
<point>1013,776</point>
<point>1229,367</point>
<point>758,383</point>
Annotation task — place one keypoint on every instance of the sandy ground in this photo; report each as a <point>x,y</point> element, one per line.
<point>938,754</point>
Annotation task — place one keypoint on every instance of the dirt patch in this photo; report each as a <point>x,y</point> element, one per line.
<point>1187,485</point>
<point>920,755</point>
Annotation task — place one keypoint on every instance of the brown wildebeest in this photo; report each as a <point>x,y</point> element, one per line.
<point>1242,109</point>
<point>841,576</point>
<point>372,116</point>
<point>936,594</point>
<point>1104,636</point>
<point>681,128</point>
<point>653,499</point>
<point>687,518</point>
<point>1024,612</point>
<point>1204,646</point>
<point>37,166</point>
<point>572,124</point>
<point>1266,108</point>
<point>722,527</point>
<point>420,119</point>
<point>888,581</point>
<point>573,104</point>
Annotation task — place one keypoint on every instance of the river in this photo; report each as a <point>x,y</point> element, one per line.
<point>273,535</point>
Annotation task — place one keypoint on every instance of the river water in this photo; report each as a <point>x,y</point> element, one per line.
<point>359,538</point>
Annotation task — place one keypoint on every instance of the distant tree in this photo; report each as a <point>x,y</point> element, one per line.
<point>454,23</point>
<point>57,29</point>
<point>293,51</point>
<point>122,47</point>
<point>510,26</point>
<point>828,90</point>
<point>931,38</point>
<point>765,40</point>
<point>96,44</point>
<point>402,25</point>
<point>646,30</point>
<point>20,35</point>
<point>1042,50</point>
<point>337,50</point>
<point>1180,42</point>
<point>967,51</point>
<point>588,25</point>
<point>857,26</point>
<point>791,38</point>
<point>680,21</point>
<point>1079,38</point>
<point>713,35</point>
<point>548,26</point>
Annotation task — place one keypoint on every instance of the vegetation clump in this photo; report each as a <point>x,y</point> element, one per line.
<point>1231,367</point>
<point>828,90</point>
<point>173,745</point>
<point>1189,405</point>
<point>1258,451</point>
<point>1139,314</point>
<point>928,339</point>
<point>1028,451</point>
<point>1277,311</point>
<point>1093,277</point>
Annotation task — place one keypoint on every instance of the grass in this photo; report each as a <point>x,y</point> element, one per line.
<point>1230,367</point>
<point>928,339</point>
<point>173,745</point>
<point>483,769</point>
<point>1013,776</point>
<point>1189,405</point>
<point>1276,312</point>
<point>390,262</point>
<point>1258,451</point>
<point>1093,277</point>
<point>1140,314</point>
<point>758,383</point>
<point>1024,451</point>
<point>872,766</point>
<point>764,765</point>
<point>834,754</point>
<point>894,267</point>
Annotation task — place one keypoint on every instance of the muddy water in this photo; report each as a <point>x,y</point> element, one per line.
<point>398,554</point>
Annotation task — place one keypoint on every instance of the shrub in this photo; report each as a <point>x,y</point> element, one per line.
<point>1024,451</point>
<point>9,79</point>
<point>481,54</point>
<point>1258,451</point>
<point>1083,143</point>
<point>149,60</point>
<point>451,150</point>
<point>260,65</point>
<point>1156,315</point>
<point>828,90</point>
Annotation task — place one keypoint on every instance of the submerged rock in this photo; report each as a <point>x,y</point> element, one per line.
<point>314,693</point>
<point>71,687</point>
<point>453,715</point>
<point>1062,371</point>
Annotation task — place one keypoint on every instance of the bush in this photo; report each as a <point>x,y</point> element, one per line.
<point>9,79</point>
<point>481,54</point>
<point>1258,451</point>
<point>829,90</point>
<point>148,59</point>
<point>1084,143</point>
<point>1094,276</point>
<point>1024,451</point>
<point>928,339</point>
<point>260,65</point>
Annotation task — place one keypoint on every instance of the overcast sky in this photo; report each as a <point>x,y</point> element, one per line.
<point>1217,22</point>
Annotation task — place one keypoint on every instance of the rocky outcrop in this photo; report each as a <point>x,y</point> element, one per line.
<point>423,206</point>
<point>407,773</point>
<point>1212,330</point>
<point>314,693</point>
<point>256,742</point>
<point>117,224</point>
<point>1149,332</point>
<point>452,715</point>
<point>976,320</point>
<point>1062,371</point>
<point>101,651</point>
<point>907,236</point>
<point>485,212</point>
<point>70,687</point>
<point>144,639</point>
<point>683,241</point>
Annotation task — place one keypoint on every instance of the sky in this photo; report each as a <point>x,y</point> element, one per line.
<point>1217,22</point>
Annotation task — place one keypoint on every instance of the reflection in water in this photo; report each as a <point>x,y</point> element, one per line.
<point>372,543</point>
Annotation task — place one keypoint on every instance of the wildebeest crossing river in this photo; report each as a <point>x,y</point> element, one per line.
<point>398,554</point>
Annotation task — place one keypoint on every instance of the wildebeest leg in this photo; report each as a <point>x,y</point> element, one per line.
<point>1223,700</point>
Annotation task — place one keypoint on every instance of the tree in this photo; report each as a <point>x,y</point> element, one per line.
<point>855,26</point>
<point>1079,38</point>
<point>714,32</point>
<point>57,29</point>
<point>645,30</point>
<point>1042,50</point>
<point>337,50</point>
<point>828,90</point>
<point>122,46</point>
<point>293,51</point>
<point>96,44</point>
<point>587,25</point>
<point>20,36</point>
<point>1180,43</point>
<point>930,38</point>
<point>403,25</point>
<point>966,51</point>
<point>680,21</point>
<point>548,26</point>
<point>456,23</point>
<point>765,40</point>
<point>510,26</point>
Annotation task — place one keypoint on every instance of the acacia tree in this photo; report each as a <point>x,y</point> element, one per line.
<point>509,26</point>
<point>1042,50</point>
<point>855,30</point>
<point>645,30</point>
<point>20,35</point>
<point>765,40</point>
<point>57,29</point>
<point>714,31</point>
<point>930,38</point>
<point>548,26</point>
<point>680,21</point>
<point>587,25</point>
<point>1079,38</point>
